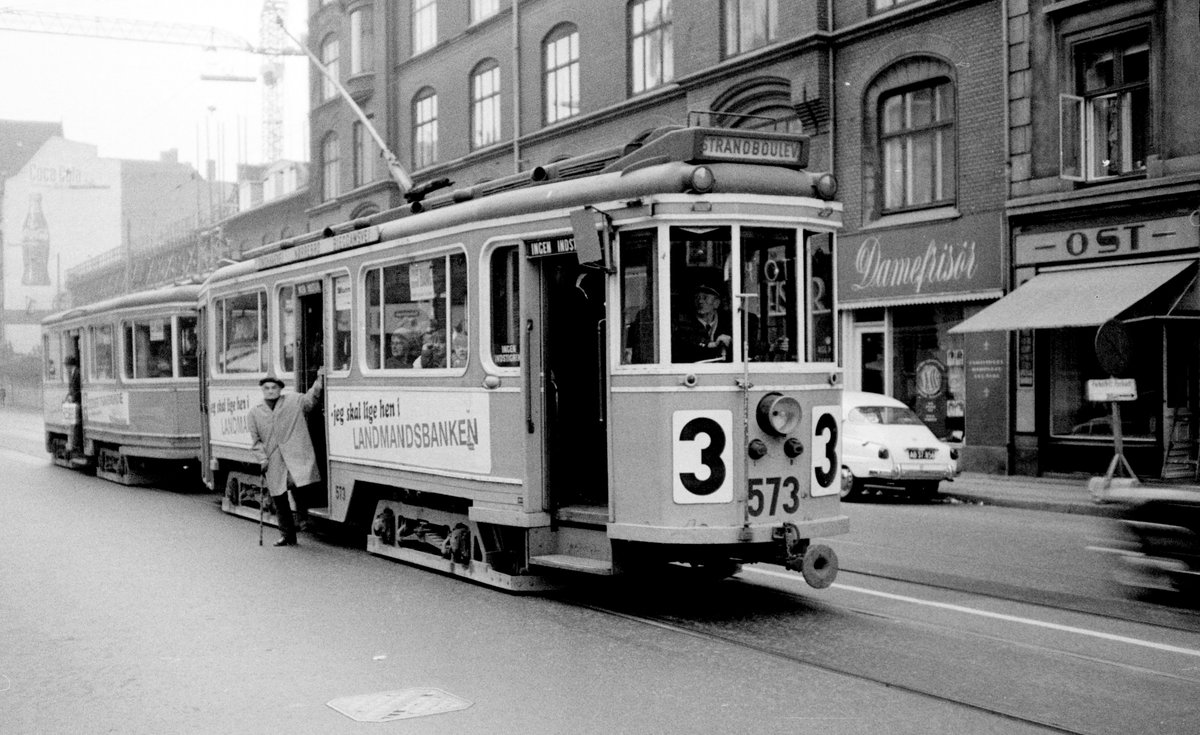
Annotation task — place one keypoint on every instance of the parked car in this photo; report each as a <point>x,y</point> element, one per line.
<point>887,448</point>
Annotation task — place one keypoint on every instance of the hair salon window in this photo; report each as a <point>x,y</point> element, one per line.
<point>1105,124</point>
<point>927,366</point>
<point>917,146</point>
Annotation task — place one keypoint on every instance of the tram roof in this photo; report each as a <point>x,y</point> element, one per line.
<point>655,162</point>
<point>185,294</point>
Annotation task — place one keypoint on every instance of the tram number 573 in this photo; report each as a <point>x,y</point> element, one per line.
<point>701,456</point>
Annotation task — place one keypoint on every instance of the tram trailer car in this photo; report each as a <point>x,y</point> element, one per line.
<point>510,388</point>
<point>134,417</point>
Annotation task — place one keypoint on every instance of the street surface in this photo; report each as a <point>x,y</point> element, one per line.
<point>144,610</point>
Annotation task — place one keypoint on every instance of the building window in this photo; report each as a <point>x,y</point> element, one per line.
<point>331,167</point>
<point>329,58</point>
<point>424,25</point>
<point>485,104</point>
<point>749,24</point>
<point>917,151</point>
<point>482,9</point>
<point>1105,126</point>
<point>364,152</point>
<point>562,73</point>
<point>362,35</point>
<point>651,52</point>
<point>425,128</point>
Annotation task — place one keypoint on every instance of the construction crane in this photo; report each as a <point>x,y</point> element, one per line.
<point>272,45</point>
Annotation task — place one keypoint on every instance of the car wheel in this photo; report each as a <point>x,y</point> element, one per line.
<point>852,487</point>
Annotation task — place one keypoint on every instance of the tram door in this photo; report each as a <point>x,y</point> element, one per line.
<point>310,356</point>
<point>573,369</point>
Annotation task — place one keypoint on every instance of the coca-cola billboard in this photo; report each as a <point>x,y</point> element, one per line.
<point>960,256</point>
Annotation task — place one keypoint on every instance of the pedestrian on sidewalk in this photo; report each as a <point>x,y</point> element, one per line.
<point>284,449</point>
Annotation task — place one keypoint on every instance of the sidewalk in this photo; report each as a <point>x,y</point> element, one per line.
<point>1055,494</point>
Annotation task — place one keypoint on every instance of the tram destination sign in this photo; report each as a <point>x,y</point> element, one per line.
<point>546,246</point>
<point>726,147</point>
<point>317,248</point>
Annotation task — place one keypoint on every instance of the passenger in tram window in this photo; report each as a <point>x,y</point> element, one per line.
<point>460,347</point>
<point>433,350</point>
<point>705,334</point>
<point>403,347</point>
<point>283,447</point>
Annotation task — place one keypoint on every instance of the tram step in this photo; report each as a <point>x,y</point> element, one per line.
<point>573,563</point>
<point>323,513</point>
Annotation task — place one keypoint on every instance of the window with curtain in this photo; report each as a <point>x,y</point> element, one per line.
<point>362,35</point>
<point>331,167</point>
<point>750,24</point>
<point>651,50</point>
<point>917,146</point>
<point>424,25</point>
<point>485,104</point>
<point>425,128</point>
<point>561,64</point>
<point>329,59</point>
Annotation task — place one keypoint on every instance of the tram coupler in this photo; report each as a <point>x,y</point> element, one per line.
<point>816,562</point>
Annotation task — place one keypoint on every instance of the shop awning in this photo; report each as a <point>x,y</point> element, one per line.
<point>1077,298</point>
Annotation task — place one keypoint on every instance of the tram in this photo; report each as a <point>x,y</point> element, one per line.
<point>120,388</point>
<point>514,380</point>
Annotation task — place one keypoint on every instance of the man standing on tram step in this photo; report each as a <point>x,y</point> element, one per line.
<point>283,448</point>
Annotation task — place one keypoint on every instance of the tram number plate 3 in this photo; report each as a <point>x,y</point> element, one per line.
<point>769,495</point>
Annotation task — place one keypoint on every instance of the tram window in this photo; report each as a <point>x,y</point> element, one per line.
<point>102,353</point>
<point>638,256</point>
<point>820,297</point>
<point>241,333</point>
<point>418,302</point>
<point>506,307</point>
<point>460,342</point>
<point>701,323</point>
<point>341,322</point>
<point>769,271</point>
<point>51,350</point>
<point>287,328</point>
<point>187,341</point>
<point>148,349</point>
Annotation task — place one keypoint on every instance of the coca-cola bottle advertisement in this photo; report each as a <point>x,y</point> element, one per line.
<point>35,245</point>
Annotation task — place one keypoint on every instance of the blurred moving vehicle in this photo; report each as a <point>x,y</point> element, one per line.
<point>1156,539</point>
<point>887,448</point>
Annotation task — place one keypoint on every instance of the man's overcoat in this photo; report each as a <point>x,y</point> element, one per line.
<point>280,438</point>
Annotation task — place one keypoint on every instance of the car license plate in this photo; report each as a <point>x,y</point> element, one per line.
<point>922,453</point>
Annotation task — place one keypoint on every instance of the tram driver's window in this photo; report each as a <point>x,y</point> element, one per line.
<point>102,353</point>
<point>638,256</point>
<point>770,273</point>
<point>820,297</point>
<point>148,349</point>
<point>701,320</point>
<point>506,307</point>
<point>53,359</point>
<point>188,345</point>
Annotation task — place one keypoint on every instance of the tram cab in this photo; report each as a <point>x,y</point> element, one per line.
<point>595,372</point>
<point>119,389</point>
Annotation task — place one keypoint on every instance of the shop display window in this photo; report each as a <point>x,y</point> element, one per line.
<point>927,367</point>
<point>1073,363</point>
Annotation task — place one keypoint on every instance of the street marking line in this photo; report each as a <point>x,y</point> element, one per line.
<point>1000,616</point>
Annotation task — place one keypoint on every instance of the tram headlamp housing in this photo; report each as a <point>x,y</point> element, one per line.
<point>793,448</point>
<point>701,180</point>
<point>778,415</point>
<point>826,186</point>
<point>757,449</point>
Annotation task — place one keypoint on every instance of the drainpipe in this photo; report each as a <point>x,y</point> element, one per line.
<point>516,86</point>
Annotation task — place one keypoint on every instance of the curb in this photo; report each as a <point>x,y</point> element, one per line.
<point>1051,506</point>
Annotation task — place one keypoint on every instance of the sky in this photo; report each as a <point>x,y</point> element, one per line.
<point>136,100</point>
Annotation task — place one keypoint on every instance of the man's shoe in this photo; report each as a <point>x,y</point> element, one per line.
<point>284,542</point>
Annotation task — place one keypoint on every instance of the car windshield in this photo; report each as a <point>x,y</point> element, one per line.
<point>891,415</point>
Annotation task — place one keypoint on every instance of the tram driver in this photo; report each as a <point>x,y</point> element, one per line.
<point>706,333</point>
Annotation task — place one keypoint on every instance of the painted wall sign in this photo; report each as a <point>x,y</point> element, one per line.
<point>962,256</point>
<point>449,431</point>
<point>1089,243</point>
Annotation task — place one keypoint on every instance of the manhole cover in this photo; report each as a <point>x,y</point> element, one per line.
<point>398,705</point>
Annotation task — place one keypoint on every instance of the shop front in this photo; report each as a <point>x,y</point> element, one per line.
<point>900,291</point>
<point>1096,301</point>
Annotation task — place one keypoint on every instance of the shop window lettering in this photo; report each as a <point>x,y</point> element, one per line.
<point>944,262</point>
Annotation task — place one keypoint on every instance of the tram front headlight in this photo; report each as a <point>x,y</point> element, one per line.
<point>778,414</point>
<point>826,186</point>
<point>701,180</point>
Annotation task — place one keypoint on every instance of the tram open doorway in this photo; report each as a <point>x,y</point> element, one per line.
<point>576,438</point>
<point>310,357</point>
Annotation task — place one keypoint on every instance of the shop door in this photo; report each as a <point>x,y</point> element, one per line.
<point>871,363</point>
